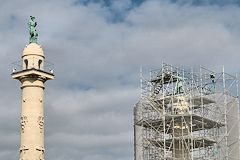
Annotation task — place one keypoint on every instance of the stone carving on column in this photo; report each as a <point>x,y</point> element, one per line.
<point>41,123</point>
<point>23,150</point>
<point>23,122</point>
<point>41,152</point>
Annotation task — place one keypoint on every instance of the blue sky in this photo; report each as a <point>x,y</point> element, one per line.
<point>120,9</point>
<point>97,49</point>
<point>193,2</point>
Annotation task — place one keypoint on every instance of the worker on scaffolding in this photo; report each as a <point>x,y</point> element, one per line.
<point>213,83</point>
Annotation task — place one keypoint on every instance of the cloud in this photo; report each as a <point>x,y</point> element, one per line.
<point>97,59</point>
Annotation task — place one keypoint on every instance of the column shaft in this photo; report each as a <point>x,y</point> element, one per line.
<point>32,120</point>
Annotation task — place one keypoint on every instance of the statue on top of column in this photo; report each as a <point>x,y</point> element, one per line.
<point>32,30</point>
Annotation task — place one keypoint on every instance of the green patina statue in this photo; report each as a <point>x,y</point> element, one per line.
<point>32,30</point>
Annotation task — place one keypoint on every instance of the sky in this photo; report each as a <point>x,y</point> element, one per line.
<point>97,47</point>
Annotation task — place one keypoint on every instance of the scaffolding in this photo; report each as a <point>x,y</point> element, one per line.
<point>187,114</point>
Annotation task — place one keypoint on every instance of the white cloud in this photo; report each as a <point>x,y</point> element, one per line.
<point>89,104</point>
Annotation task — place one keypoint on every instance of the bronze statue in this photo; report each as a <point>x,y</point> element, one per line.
<point>32,30</point>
